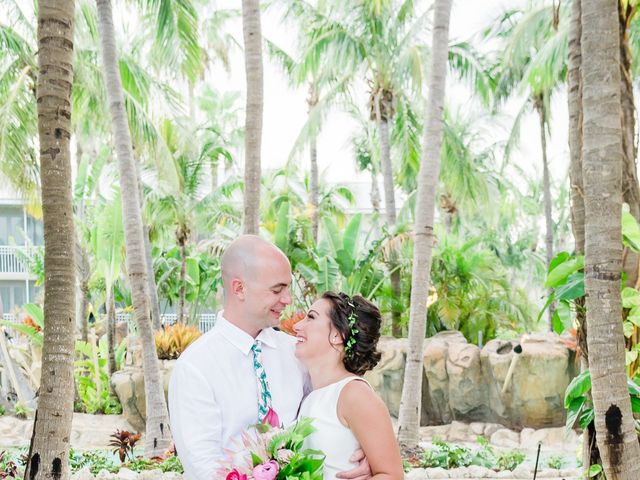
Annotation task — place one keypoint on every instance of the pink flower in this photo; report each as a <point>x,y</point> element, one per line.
<point>271,418</point>
<point>235,475</point>
<point>266,471</point>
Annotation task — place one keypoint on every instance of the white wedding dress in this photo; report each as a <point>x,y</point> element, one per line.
<point>335,440</point>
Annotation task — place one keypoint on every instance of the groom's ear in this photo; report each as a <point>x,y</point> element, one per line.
<point>237,288</point>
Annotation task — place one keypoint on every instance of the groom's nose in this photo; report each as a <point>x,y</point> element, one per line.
<point>286,296</point>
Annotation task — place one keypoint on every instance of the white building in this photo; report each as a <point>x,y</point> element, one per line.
<point>19,231</point>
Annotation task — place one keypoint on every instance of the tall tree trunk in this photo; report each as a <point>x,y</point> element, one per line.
<point>602,177</point>
<point>83,272</point>
<point>49,448</point>
<point>409,414</point>
<point>590,453</point>
<point>630,188</point>
<point>156,320</point>
<point>183,279</point>
<point>314,195</point>
<point>158,436</point>
<point>540,106</point>
<point>154,303</point>
<point>375,191</point>
<point>253,121</point>
<point>111,331</point>
<point>390,208</point>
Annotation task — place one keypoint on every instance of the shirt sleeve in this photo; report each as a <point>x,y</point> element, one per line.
<point>195,418</point>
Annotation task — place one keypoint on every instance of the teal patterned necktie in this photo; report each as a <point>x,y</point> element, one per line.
<point>264,395</point>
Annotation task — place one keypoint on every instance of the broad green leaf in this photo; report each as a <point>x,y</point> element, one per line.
<point>574,288</point>
<point>630,231</point>
<point>634,316</point>
<point>561,318</point>
<point>633,387</point>
<point>574,410</point>
<point>627,328</point>
<point>561,257</point>
<point>561,272</point>
<point>282,228</point>
<point>193,271</point>
<point>332,235</point>
<point>630,297</point>
<point>595,470</point>
<point>635,404</point>
<point>587,417</point>
<point>350,239</point>
<point>630,357</point>
<point>580,385</point>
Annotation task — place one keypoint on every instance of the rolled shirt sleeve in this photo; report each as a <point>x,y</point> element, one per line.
<point>196,420</point>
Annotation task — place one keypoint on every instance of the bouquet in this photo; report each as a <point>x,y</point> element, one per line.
<point>270,452</point>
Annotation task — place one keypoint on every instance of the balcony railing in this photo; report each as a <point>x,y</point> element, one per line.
<point>12,262</point>
<point>205,320</point>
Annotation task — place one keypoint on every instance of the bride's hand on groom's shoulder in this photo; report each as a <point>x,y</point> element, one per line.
<point>361,472</point>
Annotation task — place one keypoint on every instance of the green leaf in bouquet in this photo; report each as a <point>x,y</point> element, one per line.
<point>256,460</point>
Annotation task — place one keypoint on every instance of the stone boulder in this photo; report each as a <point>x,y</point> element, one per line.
<point>128,384</point>
<point>533,397</point>
<point>463,383</point>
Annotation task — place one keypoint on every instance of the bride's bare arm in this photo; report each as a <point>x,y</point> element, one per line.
<point>360,409</point>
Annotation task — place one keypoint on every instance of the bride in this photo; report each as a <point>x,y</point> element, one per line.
<point>337,343</point>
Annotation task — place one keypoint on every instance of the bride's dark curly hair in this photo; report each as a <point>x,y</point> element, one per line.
<point>362,354</point>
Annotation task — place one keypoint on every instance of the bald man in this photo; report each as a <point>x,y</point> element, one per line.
<point>213,393</point>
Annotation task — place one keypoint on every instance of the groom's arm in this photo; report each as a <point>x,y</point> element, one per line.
<point>195,419</point>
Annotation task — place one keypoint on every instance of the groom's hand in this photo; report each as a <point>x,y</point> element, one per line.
<point>361,472</point>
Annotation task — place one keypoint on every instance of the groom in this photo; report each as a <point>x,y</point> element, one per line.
<point>229,377</point>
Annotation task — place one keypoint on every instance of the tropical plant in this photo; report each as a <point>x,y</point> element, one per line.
<point>92,375</point>
<point>172,341</point>
<point>474,292</point>
<point>124,443</point>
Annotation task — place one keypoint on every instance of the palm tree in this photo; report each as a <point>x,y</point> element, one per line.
<point>158,436</point>
<point>534,60</point>
<point>602,176</point>
<point>253,120</point>
<point>49,449</point>
<point>409,414</point>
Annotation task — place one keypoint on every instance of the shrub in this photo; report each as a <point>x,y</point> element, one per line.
<point>556,462</point>
<point>172,341</point>
<point>509,460</point>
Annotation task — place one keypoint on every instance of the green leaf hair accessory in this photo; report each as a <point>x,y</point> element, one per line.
<point>353,331</point>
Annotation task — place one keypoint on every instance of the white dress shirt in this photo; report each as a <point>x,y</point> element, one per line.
<point>213,392</point>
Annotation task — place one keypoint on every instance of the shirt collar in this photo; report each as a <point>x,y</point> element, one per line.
<point>241,339</point>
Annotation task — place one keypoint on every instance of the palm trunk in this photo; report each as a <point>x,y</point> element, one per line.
<point>590,453</point>
<point>390,210</point>
<point>409,414</point>
<point>630,189</point>
<point>49,448</point>
<point>183,283</point>
<point>156,320</point>
<point>546,186</point>
<point>253,122</point>
<point>602,176</point>
<point>154,303</point>
<point>314,195</point>
<point>375,191</point>
<point>158,436</point>
<point>111,330</point>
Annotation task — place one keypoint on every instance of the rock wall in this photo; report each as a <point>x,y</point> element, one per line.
<point>463,383</point>
<point>460,381</point>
